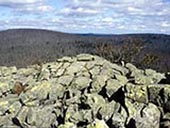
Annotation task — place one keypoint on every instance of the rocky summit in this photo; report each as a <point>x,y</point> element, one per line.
<point>85,91</point>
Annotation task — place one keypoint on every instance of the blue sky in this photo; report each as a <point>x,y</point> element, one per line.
<point>87,16</point>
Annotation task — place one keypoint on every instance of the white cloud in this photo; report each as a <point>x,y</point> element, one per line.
<point>165,24</point>
<point>134,9</point>
<point>107,19</point>
<point>27,5</point>
<point>19,2</point>
<point>35,8</point>
<point>79,11</point>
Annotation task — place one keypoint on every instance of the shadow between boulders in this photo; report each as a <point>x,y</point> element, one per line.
<point>119,97</point>
<point>166,80</point>
<point>16,122</point>
<point>110,123</point>
<point>103,93</point>
<point>131,124</point>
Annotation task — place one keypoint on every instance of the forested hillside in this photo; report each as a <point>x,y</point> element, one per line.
<point>22,47</point>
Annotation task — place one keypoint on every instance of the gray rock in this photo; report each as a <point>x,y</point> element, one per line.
<point>66,59</point>
<point>4,120</point>
<point>107,71</point>
<point>144,116</point>
<point>137,93</point>
<point>142,79</point>
<point>83,73</point>
<point>98,83</point>
<point>22,115</point>
<point>91,64</point>
<point>6,102</point>
<point>94,101</point>
<point>65,80</point>
<point>151,117</point>
<point>76,67</point>
<point>67,125</point>
<point>156,77</point>
<point>38,116</point>
<point>60,72</point>
<point>112,87</point>
<point>108,110</point>
<point>80,82</point>
<point>41,90</point>
<point>98,124</point>
<point>121,79</point>
<point>32,116</point>
<point>32,103</point>
<point>57,91</point>
<point>122,70</point>
<point>131,67</point>
<point>6,71</point>
<point>119,117</point>
<point>44,74</point>
<point>85,57</point>
<point>159,95</point>
<point>95,71</point>
<point>15,107</point>
<point>166,121</point>
<point>4,87</point>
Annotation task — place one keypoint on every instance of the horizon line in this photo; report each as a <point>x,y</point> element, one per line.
<point>88,33</point>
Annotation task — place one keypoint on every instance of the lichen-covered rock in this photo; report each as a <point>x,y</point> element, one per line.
<point>4,87</point>
<point>37,116</point>
<point>65,80</point>
<point>108,110</point>
<point>112,87</point>
<point>98,124</point>
<point>98,83</point>
<point>94,101</point>
<point>67,125</point>
<point>119,117</point>
<point>6,102</point>
<point>80,82</point>
<point>20,118</point>
<point>85,91</point>
<point>137,93</point>
<point>5,71</point>
<point>160,95</point>
<point>156,77</point>
<point>165,121</point>
<point>144,116</point>
<point>85,57</point>
<point>75,67</point>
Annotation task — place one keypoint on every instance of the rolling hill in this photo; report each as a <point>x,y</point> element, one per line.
<point>22,47</point>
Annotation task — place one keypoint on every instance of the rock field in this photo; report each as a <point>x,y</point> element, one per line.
<point>85,91</point>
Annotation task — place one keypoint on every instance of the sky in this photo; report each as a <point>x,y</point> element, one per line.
<point>87,16</point>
